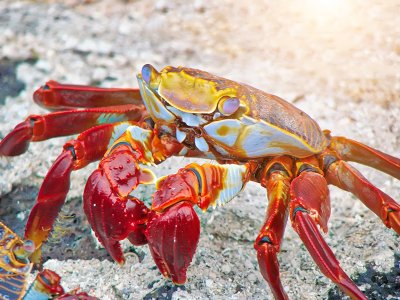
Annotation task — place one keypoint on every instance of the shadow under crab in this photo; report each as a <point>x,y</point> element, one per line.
<point>71,238</point>
<point>377,285</point>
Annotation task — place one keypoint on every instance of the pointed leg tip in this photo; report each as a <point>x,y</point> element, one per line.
<point>322,254</point>
<point>17,141</point>
<point>269,268</point>
<point>179,280</point>
<point>114,249</point>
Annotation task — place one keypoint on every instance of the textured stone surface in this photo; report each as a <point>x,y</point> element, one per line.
<point>339,63</point>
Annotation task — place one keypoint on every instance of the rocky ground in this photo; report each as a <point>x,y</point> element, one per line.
<point>339,61</point>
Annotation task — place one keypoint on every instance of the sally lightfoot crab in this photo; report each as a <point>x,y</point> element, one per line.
<point>180,111</point>
<point>15,268</point>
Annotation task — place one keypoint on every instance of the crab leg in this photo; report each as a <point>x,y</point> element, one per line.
<point>276,178</point>
<point>56,96</point>
<point>88,147</point>
<point>310,205</point>
<point>348,178</point>
<point>174,229</point>
<point>42,127</point>
<point>350,150</point>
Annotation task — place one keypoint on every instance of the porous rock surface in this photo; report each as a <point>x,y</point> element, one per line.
<point>339,62</point>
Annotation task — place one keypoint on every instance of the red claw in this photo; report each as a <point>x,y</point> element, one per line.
<point>113,217</point>
<point>173,236</point>
<point>17,141</point>
<point>172,229</point>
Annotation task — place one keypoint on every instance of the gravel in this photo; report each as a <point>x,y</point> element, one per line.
<point>338,61</point>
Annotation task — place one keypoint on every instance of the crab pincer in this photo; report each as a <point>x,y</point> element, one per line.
<point>173,236</point>
<point>171,228</point>
<point>174,230</point>
<point>112,213</point>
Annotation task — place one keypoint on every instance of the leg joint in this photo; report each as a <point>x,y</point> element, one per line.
<point>307,168</point>
<point>116,145</point>
<point>327,161</point>
<point>298,209</point>
<point>265,240</point>
<point>72,150</point>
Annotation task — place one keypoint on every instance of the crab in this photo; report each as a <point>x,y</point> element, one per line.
<point>15,267</point>
<point>179,111</point>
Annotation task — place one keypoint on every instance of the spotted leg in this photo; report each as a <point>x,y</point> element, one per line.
<point>309,206</point>
<point>276,179</point>
<point>174,229</point>
<point>88,147</point>
<point>42,127</point>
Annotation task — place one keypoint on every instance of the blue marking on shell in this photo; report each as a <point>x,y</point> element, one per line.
<point>34,294</point>
<point>210,155</point>
<point>165,128</point>
<point>220,150</point>
<point>246,137</point>
<point>262,139</point>
<point>183,152</point>
<point>216,115</point>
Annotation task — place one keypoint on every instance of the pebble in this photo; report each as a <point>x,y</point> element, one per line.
<point>226,269</point>
<point>209,283</point>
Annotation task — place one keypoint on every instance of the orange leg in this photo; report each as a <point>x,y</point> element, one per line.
<point>310,206</point>
<point>348,178</point>
<point>350,150</point>
<point>276,179</point>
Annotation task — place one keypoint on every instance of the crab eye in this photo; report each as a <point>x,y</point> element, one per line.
<point>228,106</point>
<point>150,75</point>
